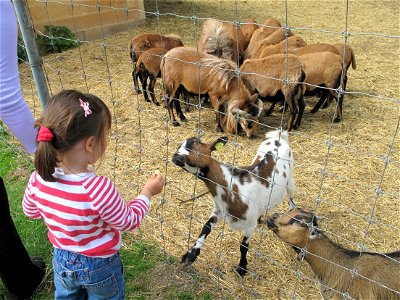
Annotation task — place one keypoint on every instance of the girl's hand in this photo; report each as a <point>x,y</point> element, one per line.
<point>153,185</point>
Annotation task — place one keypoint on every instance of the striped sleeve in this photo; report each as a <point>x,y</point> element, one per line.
<point>28,203</point>
<point>114,210</point>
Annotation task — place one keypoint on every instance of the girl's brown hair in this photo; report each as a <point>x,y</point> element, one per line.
<point>66,120</point>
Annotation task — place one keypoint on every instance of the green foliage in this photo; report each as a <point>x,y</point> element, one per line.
<point>56,39</point>
<point>21,54</point>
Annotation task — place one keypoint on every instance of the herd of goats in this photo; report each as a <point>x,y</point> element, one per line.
<point>236,68</point>
<point>239,67</point>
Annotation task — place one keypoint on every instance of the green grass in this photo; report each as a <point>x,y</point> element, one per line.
<point>141,259</point>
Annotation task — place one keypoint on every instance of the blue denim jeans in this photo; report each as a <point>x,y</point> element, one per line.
<point>77,276</point>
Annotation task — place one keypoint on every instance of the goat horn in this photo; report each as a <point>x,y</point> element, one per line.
<point>240,112</point>
<point>260,105</point>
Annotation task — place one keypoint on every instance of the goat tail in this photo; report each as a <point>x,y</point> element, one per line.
<point>353,61</point>
<point>284,135</point>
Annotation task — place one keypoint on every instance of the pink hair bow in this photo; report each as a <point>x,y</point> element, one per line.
<point>85,106</point>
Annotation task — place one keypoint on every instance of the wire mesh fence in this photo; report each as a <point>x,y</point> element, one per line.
<point>347,172</point>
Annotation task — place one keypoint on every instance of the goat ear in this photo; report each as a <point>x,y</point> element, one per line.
<point>219,144</point>
<point>314,230</point>
<point>254,97</point>
<point>260,106</point>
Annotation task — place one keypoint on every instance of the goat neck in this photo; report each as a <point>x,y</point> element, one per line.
<point>328,261</point>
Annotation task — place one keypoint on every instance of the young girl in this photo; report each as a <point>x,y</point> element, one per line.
<point>83,211</point>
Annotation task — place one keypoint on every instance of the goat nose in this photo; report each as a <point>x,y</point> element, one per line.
<point>177,160</point>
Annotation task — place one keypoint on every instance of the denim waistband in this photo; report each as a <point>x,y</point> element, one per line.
<point>73,256</point>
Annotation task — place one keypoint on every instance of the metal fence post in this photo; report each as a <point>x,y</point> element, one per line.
<point>34,58</point>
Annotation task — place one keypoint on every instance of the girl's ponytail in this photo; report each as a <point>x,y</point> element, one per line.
<point>46,154</point>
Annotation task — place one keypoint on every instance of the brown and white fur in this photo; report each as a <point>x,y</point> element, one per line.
<point>377,276</point>
<point>241,194</point>
<point>201,73</point>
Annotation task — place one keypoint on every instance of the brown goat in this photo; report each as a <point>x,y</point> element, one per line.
<point>248,30</point>
<point>148,66</point>
<point>146,41</point>
<point>222,40</point>
<point>324,71</point>
<point>201,73</point>
<point>275,38</point>
<point>303,50</point>
<point>341,271</point>
<point>266,76</point>
<point>292,42</point>
<point>349,59</point>
<point>270,25</point>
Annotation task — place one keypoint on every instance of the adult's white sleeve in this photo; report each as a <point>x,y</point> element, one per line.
<point>14,111</point>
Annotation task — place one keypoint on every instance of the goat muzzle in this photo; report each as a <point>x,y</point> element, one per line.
<point>179,160</point>
<point>271,224</point>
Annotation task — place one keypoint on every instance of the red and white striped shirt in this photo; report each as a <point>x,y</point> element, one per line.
<point>84,213</point>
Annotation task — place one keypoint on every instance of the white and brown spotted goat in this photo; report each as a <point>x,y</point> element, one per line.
<point>376,276</point>
<point>241,194</point>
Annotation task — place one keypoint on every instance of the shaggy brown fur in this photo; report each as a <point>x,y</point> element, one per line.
<point>377,276</point>
<point>222,40</point>
<point>292,42</point>
<point>201,73</point>
<point>146,41</point>
<point>266,77</point>
<point>270,25</point>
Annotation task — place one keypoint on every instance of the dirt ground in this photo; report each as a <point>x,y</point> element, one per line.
<point>341,164</point>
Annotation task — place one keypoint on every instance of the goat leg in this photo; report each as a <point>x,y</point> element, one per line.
<point>192,254</point>
<point>244,247</point>
<point>151,90</point>
<point>169,103</point>
<point>143,79</point>
<point>338,114</point>
<point>135,79</point>
<point>300,103</point>
<point>324,96</point>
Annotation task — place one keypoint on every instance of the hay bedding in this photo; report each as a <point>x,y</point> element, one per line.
<point>143,141</point>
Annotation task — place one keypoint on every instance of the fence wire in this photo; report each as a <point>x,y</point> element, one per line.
<point>187,220</point>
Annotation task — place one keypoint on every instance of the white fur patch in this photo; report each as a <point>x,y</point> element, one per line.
<point>182,149</point>
<point>190,169</point>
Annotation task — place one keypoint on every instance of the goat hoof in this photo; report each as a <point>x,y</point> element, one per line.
<point>183,119</point>
<point>138,92</point>
<point>175,123</point>
<point>336,120</point>
<point>189,257</point>
<point>241,271</point>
